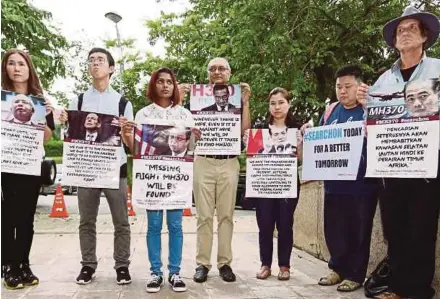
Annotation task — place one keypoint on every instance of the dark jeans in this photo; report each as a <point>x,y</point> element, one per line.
<point>279,212</point>
<point>348,222</point>
<point>410,213</point>
<point>19,202</point>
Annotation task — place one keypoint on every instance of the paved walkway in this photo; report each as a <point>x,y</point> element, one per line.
<point>55,259</point>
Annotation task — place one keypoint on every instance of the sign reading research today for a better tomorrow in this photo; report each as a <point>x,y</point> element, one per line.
<point>333,152</point>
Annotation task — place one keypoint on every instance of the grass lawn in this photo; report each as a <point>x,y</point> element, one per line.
<point>58,160</point>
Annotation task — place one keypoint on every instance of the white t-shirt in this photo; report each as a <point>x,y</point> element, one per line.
<point>177,115</point>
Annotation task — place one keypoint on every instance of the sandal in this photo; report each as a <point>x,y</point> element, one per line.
<point>348,286</point>
<point>264,272</point>
<point>387,295</point>
<point>284,273</point>
<point>330,280</point>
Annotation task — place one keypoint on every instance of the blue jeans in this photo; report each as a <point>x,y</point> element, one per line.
<point>174,222</point>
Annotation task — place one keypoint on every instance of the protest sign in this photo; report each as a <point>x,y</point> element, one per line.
<point>217,113</point>
<point>163,167</point>
<point>92,150</point>
<point>23,123</point>
<point>403,130</point>
<point>271,165</point>
<point>333,152</point>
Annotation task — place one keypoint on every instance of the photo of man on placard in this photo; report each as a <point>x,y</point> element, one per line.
<point>178,141</point>
<point>221,97</point>
<point>23,111</point>
<point>93,127</point>
<point>163,140</point>
<point>277,142</point>
<point>422,98</point>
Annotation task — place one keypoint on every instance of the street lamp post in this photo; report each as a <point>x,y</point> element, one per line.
<point>115,18</point>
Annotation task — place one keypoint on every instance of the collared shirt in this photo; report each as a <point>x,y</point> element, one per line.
<point>91,136</point>
<point>175,116</point>
<point>106,102</point>
<point>180,155</point>
<point>428,68</point>
<point>220,108</point>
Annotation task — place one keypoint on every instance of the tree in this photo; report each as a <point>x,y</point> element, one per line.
<point>26,26</point>
<point>297,45</point>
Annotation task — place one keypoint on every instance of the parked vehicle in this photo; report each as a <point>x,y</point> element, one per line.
<point>51,189</point>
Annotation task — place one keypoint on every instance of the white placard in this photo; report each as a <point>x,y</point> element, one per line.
<point>405,150</point>
<point>22,149</point>
<point>271,176</point>
<point>91,166</point>
<point>333,152</point>
<point>162,183</point>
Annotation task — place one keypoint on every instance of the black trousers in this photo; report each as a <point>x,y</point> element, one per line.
<point>410,213</point>
<point>279,212</point>
<point>348,222</point>
<point>19,202</point>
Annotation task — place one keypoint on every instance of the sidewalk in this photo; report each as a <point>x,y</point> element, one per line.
<point>55,259</point>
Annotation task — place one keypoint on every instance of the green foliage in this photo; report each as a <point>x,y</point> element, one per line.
<point>54,148</point>
<point>26,26</point>
<point>57,160</point>
<point>297,45</point>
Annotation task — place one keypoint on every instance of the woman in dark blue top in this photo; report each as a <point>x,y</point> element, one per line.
<point>277,211</point>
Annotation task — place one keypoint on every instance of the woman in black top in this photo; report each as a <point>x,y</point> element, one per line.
<point>20,192</point>
<point>277,211</point>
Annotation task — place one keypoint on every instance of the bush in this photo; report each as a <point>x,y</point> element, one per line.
<point>54,148</point>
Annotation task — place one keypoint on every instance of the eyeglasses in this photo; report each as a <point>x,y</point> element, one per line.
<point>221,69</point>
<point>224,98</point>
<point>92,60</point>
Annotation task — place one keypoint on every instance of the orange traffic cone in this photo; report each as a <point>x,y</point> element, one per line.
<point>129,205</point>
<point>59,206</point>
<point>187,212</point>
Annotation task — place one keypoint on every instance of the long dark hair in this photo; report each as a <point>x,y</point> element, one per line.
<point>290,120</point>
<point>33,83</point>
<point>151,91</point>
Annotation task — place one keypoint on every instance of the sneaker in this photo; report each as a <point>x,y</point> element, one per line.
<point>154,284</point>
<point>177,283</point>
<point>12,279</point>
<point>86,275</point>
<point>27,276</point>
<point>123,276</point>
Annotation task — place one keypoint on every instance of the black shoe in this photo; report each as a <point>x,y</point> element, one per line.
<point>177,283</point>
<point>154,284</point>
<point>12,278</point>
<point>86,275</point>
<point>123,275</point>
<point>227,274</point>
<point>27,276</point>
<point>201,274</point>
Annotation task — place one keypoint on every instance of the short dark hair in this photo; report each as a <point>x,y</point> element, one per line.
<point>270,130</point>
<point>110,59</point>
<point>220,87</point>
<point>350,70</point>
<point>434,83</point>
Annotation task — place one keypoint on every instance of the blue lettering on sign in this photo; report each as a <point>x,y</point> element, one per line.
<point>323,134</point>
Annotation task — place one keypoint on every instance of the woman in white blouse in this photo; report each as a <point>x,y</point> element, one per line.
<point>164,93</point>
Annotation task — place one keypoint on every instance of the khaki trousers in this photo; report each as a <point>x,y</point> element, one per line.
<point>215,187</point>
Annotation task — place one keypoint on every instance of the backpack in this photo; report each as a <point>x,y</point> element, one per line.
<point>329,111</point>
